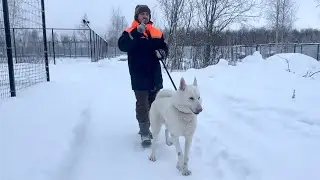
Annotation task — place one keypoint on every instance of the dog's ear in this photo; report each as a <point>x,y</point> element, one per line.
<point>195,82</point>
<point>183,84</point>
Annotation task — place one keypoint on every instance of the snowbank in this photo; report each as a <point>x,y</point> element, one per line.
<point>267,80</point>
<point>297,63</point>
<point>259,119</point>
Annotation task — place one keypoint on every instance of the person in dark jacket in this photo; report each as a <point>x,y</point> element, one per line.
<point>145,46</point>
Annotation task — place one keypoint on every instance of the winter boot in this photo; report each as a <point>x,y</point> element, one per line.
<point>145,134</point>
<point>145,140</point>
<point>149,134</point>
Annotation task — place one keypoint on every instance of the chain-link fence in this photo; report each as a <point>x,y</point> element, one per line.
<point>22,30</point>
<point>194,56</point>
<point>61,43</point>
<point>234,53</point>
<point>76,43</point>
<point>114,51</point>
<point>27,46</point>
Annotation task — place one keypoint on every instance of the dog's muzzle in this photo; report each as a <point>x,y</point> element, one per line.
<point>198,111</point>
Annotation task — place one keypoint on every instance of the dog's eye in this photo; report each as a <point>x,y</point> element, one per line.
<point>191,98</point>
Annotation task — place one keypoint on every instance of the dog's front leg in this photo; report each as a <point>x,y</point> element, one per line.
<point>152,156</point>
<point>185,168</point>
<point>168,140</point>
<point>175,140</point>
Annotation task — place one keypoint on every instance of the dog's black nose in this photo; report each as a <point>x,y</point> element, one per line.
<point>199,110</point>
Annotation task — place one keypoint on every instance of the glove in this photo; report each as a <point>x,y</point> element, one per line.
<point>141,28</point>
<point>161,54</point>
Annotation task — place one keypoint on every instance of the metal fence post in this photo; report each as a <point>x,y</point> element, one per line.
<point>96,50</point>
<point>107,48</point>
<point>270,50</point>
<point>94,47</point>
<point>75,49</point>
<point>81,49</point>
<point>91,44</point>
<point>53,50</point>
<point>232,56</point>
<point>318,51</point>
<point>14,45</point>
<point>89,49</point>
<point>99,45</point>
<point>100,48</point>
<point>70,49</point>
<point>5,9</point>
<point>44,31</point>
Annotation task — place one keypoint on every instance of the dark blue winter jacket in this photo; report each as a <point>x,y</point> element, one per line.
<point>144,65</point>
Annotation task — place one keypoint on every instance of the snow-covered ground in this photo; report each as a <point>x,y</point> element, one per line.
<point>82,124</point>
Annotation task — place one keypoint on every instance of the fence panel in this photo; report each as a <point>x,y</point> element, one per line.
<point>267,50</point>
<point>27,42</point>
<point>235,53</point>
<point>75,43</point>
<point>5,53</point>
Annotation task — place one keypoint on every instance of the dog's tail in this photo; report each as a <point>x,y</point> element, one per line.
<point>164,93</point>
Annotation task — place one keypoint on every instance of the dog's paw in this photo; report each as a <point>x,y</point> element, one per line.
<point>152,158</point>
<point>186,172</point>
<point>179,166</point>
<point>183,169</point>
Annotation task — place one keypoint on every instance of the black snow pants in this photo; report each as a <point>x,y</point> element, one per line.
<point>144,100</point>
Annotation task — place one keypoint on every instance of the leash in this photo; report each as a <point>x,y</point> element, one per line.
<point>165,67</point>
<point>159,56</point>
<point>169,75</point>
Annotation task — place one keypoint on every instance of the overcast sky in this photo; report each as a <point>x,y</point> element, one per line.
<point>68,13</point>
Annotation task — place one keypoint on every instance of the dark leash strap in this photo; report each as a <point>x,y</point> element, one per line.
<point>168,74</point>
<point>159,56</point>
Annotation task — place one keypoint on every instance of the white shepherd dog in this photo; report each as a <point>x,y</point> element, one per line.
<point>178,111</point>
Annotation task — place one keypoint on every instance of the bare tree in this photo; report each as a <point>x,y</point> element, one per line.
<point>281,15</point>
<point>15,17</point>
<point>83,33</point>
<point>216,15</point>
<point>16,13</point>
<point>288,12</point>
<point>154,17</point>
<point>172,11</point>
<point>318,2</point>
<point>188,16</point>
<point>117,25</point>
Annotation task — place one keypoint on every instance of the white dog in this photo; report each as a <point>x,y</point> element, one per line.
<point>178,112</point>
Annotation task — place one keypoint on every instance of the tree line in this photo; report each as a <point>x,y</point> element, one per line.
<point>244,36</point>
<point>206,25</point>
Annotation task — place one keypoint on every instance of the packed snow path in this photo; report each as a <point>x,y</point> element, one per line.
<point>250,129</point>
<point>112,146</point>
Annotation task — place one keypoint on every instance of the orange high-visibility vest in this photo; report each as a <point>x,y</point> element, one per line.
<point>154,32</point>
